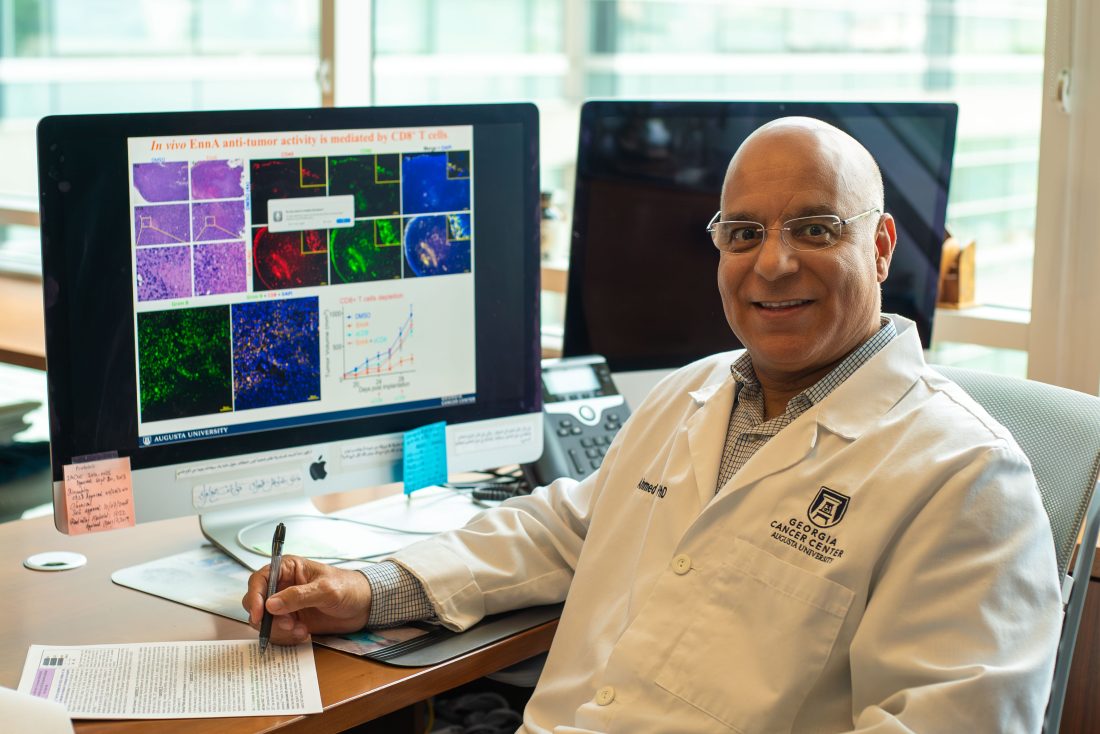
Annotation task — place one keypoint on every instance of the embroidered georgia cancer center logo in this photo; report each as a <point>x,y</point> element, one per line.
<point>825,511</point>
<point>827,508</point>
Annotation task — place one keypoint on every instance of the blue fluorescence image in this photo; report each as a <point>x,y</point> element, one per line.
<point>276,353</point>
<point>431,250</point>
<point>429,184</point>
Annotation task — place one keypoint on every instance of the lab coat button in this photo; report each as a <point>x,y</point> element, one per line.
<point>681,564</point>
<point>605,695</point>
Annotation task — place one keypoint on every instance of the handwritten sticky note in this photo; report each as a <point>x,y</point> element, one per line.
<point>425,461</point>
<point>99,495</point>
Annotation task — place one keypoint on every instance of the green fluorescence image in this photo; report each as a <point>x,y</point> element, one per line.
<point>185,368</point>
<point>372,180</point>
<point>370,250</point>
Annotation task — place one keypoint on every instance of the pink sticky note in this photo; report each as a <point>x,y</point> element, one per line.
<point>99,495</point>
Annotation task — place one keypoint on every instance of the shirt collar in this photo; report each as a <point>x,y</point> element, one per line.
<point>745,375</point>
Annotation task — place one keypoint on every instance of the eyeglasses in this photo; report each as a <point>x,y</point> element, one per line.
<point>806,234</point>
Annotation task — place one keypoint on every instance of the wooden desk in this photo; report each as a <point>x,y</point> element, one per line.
<point>22,330</point>
<point>83,607</point>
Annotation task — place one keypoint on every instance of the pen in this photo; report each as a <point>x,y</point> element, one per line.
<point>272,583</point>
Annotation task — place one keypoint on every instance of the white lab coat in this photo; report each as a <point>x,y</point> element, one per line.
<point>930,605</point>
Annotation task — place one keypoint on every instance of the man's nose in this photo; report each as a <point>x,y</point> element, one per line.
<point>774,258</point>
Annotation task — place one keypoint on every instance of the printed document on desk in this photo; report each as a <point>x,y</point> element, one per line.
<point>172,680</point>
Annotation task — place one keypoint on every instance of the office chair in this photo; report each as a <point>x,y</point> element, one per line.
<point>1059,430</point>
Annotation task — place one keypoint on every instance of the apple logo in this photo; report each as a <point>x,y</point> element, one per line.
<point>317,469</point>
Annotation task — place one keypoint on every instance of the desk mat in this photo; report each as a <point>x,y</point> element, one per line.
<point>208,579</point>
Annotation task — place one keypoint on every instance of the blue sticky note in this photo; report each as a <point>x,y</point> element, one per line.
<point>425,461</point>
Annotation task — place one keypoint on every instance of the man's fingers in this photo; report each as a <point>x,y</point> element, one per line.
<point>253,600</point>
<point>293,598</point>
<point>287,631</point>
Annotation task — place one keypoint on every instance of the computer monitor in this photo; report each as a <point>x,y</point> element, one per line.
<point>642,288</point>
<point>253,307</point>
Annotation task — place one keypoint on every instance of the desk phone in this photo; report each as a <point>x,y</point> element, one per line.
<point>582,411</point>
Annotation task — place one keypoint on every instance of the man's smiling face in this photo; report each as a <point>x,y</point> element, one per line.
<point>799,313</point>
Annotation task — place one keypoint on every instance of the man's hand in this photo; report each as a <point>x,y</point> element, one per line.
<point>312,598</point>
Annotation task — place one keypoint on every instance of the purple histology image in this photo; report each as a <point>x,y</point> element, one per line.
<point>217,220</point>
<point>161,225</point>
<point>217,179</point>
<point>220,268</point>
<point>163,272</point>
<point>161,181</point>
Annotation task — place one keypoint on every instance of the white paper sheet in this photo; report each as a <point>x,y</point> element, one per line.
<point>171,680</point>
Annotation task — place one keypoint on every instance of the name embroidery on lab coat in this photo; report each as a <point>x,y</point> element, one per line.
<point>659,490</point>
<point>826,510</point>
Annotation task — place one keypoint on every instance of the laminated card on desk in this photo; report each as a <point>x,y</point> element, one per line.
<point>174,680</point>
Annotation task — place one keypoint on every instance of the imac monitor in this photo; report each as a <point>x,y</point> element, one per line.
<point>254,307</point>
<point>642,288</point>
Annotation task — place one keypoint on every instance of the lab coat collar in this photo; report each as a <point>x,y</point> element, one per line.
<point>710,420</point>
<point>849,411</point>
<point>861,400</point>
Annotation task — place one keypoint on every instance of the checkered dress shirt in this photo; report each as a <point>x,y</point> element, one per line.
<point>748,431</point>
<point>398,597</point>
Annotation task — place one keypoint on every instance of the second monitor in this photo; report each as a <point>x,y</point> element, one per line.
<point>642,288</point>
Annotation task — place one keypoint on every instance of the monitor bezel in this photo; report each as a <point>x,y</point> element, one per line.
<point>61,135</point>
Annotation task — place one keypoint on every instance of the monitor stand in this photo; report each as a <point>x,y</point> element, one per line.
<point>223,527</point>
<point>373,529</point>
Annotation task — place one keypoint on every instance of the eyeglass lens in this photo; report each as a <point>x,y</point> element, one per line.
<point>804,233</point>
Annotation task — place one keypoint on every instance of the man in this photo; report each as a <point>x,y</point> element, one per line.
<point>818,535</point>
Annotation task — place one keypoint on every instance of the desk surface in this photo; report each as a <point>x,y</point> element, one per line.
<point>84,607</point>
<point>22,332</point>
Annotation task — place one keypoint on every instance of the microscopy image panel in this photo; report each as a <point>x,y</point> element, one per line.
<point>371,250</point>
<point>314,241</point>
<point>427,186</point>
<point>283,260</point>
<point>429,250</point>
<point>312,173</point>
<point>220,268</point>
<point>167,224</point>
<point>185,365</point>
<point>387,168</point>
<point>374,181</point>
<point>217,179</point>
<point>284,178</point>
<point>276,353</point>
<point>458,164</point>
<point>218,220</point>
<point>163,272</point>
<point>158,182</point>
<point>458,226</point>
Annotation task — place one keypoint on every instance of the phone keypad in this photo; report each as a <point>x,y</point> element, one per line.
<point>587,445</point>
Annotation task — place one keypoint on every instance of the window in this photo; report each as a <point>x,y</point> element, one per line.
<point>60,56</point>
<point>76,56</point>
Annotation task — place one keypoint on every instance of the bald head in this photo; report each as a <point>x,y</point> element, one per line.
<point>810,145</point>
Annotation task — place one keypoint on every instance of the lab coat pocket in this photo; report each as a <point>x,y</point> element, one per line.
<point>763,632</point>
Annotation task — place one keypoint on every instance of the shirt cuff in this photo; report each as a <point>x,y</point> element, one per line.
<point>397,597</point>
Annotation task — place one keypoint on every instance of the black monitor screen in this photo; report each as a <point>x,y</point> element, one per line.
<point>642,288</point>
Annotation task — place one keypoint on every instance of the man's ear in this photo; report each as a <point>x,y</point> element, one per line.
<point>886,238</point>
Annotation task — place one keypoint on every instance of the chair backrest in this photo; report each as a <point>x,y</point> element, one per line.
<point>1059,430</point>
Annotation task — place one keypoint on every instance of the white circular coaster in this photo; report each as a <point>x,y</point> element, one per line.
<point>55,561</point>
